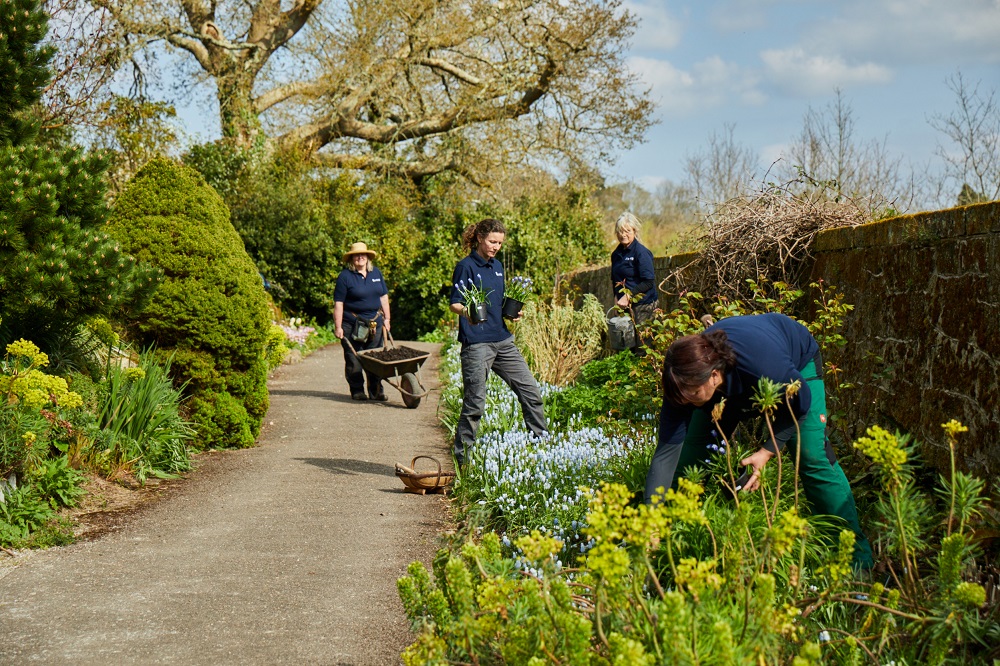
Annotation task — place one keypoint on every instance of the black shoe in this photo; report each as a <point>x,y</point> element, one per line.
<point>359,396</point>
<point>381,397</point>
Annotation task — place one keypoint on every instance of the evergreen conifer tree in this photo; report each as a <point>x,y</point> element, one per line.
<point>58,266</point>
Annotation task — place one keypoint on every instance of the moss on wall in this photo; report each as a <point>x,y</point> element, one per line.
<point>925,327</point>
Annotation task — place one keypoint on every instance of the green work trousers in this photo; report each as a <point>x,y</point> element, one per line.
<point>823,481</point>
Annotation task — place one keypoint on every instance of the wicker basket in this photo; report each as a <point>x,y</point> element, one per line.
<point>424,482</point>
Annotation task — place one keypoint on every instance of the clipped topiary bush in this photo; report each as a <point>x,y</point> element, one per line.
<point>210,311</point>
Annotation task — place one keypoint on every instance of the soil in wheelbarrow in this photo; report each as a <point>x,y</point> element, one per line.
<point>395,354</point>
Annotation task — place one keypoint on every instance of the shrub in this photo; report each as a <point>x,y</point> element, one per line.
<point>56,481</point>
<point>558,340</point>
<point>211,312</point>
<point>58,266</point>
<point>25,391</point>
<point>22,512</point>
<point>604,389</point>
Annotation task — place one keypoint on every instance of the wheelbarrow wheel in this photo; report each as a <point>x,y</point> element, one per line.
<point>410,390</point>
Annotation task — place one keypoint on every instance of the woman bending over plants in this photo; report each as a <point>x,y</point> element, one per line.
<point>726,361</point>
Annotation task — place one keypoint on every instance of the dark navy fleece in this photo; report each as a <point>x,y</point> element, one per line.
<point>633,265</point>
<point>768,345</point>
<point>489,275</point>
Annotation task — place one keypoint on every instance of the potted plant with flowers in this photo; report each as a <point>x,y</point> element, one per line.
<point>475,298</point>
<point>516,294</point>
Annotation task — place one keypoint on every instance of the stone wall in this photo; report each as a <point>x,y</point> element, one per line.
<point>925,330</point>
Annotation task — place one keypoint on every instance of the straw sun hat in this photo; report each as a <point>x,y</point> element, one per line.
<point>359,248</point>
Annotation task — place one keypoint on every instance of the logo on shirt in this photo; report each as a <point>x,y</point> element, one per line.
<point>376,279</point>
<point>629,258</point>
<point>499,274</point>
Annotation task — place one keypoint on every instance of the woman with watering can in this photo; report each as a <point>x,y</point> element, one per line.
<point>632,270</point>
<point>360,312</point>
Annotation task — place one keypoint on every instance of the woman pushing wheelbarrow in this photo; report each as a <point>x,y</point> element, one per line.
<point>360,313</point>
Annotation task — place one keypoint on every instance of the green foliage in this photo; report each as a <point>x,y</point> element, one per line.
<point>135,131</point>
<point>558,339</point>
<point>139,416</point>
<point>55,480</point>
<point>275,349</point>
<point>211,313</point>
<point>24,67</point>
<point>58,266</point>
<point>605,389</point>
<point>278,210</point>
<point>551,234</point>
<point>419,294</point>
<point>475,611</point>
<point>22,512</point>
<point>25,390</point>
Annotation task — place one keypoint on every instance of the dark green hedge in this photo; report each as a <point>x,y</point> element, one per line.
<point>211,311</point>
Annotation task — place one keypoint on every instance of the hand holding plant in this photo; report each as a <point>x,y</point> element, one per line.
<point>474,295</point>
<point>519,289</point>
<point>475,298</point>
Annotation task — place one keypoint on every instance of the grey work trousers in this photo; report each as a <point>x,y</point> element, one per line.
<point>505,359</point>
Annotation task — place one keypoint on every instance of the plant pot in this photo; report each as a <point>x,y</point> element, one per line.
<point>511,307</point>
<point>477,313</point>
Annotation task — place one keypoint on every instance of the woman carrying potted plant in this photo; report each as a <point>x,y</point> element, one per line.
<point>487,344</point>
<point>360,312</point>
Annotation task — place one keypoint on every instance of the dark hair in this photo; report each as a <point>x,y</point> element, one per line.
<point>477,232</point>
<point>690,360</point>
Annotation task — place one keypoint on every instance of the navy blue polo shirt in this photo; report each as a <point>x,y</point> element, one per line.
<point>488,274</point>
<point>633,265</point>
<point>360,294</point>
<point>768,345</point>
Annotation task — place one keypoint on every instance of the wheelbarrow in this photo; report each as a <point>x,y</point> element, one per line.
<point>402,375</point>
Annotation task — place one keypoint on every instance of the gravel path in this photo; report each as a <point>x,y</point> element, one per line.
<point>287,553</point>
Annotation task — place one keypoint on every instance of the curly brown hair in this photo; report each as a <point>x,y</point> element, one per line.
<point>477,232</point>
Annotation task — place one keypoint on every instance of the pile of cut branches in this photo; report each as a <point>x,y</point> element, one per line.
<point>766,235</point>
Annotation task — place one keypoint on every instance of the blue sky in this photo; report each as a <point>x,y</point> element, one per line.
<point>760,64</point>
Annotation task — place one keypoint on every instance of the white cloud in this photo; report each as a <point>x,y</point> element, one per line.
<point>802,74</point>
<point>658,29</point>
<point>911,31</point>
<point>709,84</point>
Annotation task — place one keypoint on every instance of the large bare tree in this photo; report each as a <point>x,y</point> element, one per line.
<point>410,86</point>
<point>972,159</point>
<point>724,170</point>
<point>829,154</point>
